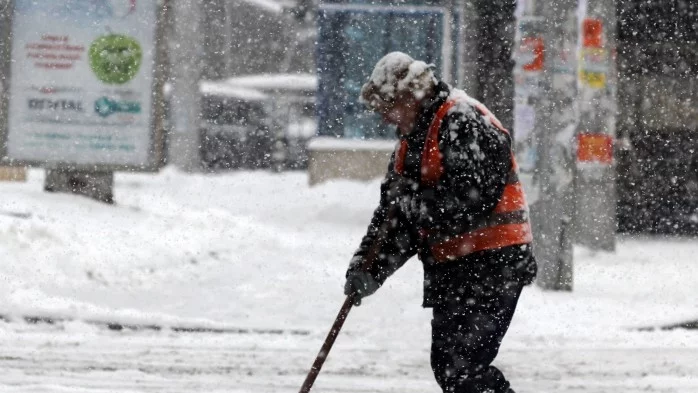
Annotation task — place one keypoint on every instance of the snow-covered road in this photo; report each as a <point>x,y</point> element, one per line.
<point>79,358</point>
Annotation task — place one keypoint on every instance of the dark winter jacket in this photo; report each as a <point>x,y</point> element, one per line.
<point>477,160</point>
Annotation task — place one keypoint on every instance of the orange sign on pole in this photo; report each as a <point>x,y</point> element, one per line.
<point>533,48</point>
<point>597,148</point>
<point>592,33</point>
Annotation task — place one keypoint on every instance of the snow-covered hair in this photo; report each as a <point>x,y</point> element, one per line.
<point>394,75</point>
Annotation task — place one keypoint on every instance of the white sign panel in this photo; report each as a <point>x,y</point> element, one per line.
<point>81,80</point>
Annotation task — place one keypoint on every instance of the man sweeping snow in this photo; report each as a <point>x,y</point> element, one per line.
<point>460,208</point>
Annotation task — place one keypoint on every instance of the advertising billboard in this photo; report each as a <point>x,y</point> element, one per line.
<point>82,78</point>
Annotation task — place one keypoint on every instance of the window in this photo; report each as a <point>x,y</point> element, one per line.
<point>351,40</point>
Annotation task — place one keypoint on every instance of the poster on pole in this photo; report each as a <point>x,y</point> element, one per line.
<point>82,79</point>
<point>530,63</point>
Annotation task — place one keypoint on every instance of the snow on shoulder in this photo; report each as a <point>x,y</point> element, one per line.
<point>464,102</point>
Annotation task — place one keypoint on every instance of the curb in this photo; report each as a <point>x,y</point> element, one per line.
<point>116,326</point>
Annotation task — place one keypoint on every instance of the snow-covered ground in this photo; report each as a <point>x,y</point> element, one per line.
<point>263,256</point>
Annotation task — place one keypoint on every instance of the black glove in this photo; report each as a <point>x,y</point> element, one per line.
<point>361,284</point>
<point>400,188</point>
<point>419,209</point>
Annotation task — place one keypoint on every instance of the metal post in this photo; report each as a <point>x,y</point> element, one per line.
<point>545,119</point>
<point>560,107</point>
<point>5,61</point>
<point>595,189</point>
<point>185,141</point>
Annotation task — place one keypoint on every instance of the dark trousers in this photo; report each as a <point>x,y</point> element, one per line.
<point>466,334</point>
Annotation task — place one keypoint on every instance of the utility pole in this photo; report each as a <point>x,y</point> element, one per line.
<point>595,179</point>
<point>496,29</point>
<point>185,104</point>
<point>545,120</point>
<point>7,173</point>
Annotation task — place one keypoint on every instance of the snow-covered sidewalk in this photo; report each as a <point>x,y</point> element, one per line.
<point>264,252</point>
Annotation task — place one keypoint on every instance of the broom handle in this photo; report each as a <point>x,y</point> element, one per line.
<point>348,303</point>
<point>327,346</point>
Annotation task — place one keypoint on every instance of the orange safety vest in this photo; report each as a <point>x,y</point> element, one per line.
<point>508,224</point>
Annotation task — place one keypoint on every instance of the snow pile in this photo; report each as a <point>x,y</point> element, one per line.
<point>178,248</point>
<point>261,250</point>
<point>225,90</point>
<point>285,82</point>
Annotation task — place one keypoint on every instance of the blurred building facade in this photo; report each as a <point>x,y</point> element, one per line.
<point>242,37</point>
<point>657,143</point>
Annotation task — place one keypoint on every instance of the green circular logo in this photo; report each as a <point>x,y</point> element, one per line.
<point>115,58</point>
